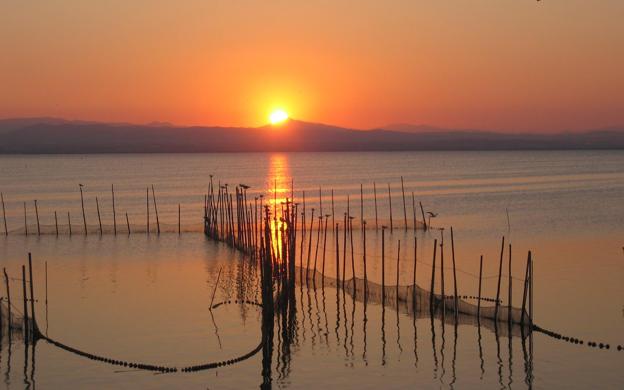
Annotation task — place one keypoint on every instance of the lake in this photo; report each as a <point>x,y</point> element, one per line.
<point>145,297</point>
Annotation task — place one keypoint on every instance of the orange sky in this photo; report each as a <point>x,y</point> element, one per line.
<point>489,64</point>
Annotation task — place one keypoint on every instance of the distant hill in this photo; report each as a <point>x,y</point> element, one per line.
<point>52,135</point>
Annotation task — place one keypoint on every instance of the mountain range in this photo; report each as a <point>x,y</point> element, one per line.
<point>54,135</point>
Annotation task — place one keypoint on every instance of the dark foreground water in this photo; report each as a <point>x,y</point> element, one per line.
<point>145,298</point>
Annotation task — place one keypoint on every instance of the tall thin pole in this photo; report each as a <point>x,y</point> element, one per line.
<point>404,207</point>
<point>480,279</point>
<point>114,212</point>
<point>383,265</point>
<point>390,203</point>
<point>500,271</point>
<point>414,210</point>
<point>8,291</point>
<point>364,256</point>
<point>375,195</point>
<point>179,222</point>
<point>361,204</point>
<point>56,222</point>
<point>6,230</point>
<point>397,269</point>
<point>510,290</point>
<point>454,273</point>
<point>414,274</point>
<point>97,206</point>
<point>433,267</point>
<point>32,295</point>
<point>422,212</point>
<point>147,208</point>
<point>332,205</point>
<point>37,217</point>
<point>25,299</point>
<point>84,217</point>
<point>128,223</point>
<point>156,210</point>
<point>526,287</point>
<point>69,223</point>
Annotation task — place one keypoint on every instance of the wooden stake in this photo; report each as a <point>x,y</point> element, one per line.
<point>383,264</point>
<point>510,290</point>
<point>390,203</point>
<point>179,222</point>
<point>214,291</point>
<point>431,294</point>
<point>375,195</point>
<point>454,273</point>
<point>8,291</point>
<point>414,275</point>
<point>6,230</point>
<point>56,222</point>
<point>37,216</point>
<point>332,204</point>
<point>526,287</point>
<point>97,206</point>
<point>25,300</point>
<point>114,213</point>
<point>480,279</point>
<point>352,255</point>
<point>32,295</point>
<point>324,246</point>
<point>128,223</point>
<point>364,247</point>
<point>84,217</point>
<point>500,271</point>
<point>361,204</point>
<point>422,212</point>
<point>337,257</point>
<point>147,207</point>
<point>414,210</point>
<point>404,207</point>
<point>397,269</point>
<point>69,224</point>
<point>156,210</point>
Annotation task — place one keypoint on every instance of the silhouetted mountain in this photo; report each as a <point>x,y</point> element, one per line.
<point>49,135</point>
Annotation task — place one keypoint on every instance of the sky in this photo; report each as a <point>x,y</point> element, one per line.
<point>506,65</point>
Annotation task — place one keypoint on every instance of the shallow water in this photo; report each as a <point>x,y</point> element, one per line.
<point>146,298</point>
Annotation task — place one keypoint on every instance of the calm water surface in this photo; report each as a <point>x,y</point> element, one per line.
<point>145,298</point>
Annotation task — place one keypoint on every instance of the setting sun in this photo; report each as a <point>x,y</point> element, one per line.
<point>278,116</point>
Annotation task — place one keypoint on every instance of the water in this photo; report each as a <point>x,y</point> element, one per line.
<point>145,298</point>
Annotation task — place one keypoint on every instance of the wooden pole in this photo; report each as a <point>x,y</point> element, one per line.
<point>56,222</point>
<point>37,217</point>
<point>361,204</point>
<point>375,195</point>
<point>344,249</point>
<point>364,255</point>
<point>179,222</point>
<point>390,203</point>
<point>214,291</point>
<point>309,246</point>
<point>480,279</point>
<point>414,273</point>
<point>352,255</point>
<point>500,271</point>
<point>531,321</point>
<point>332,205</point>
<point>404,207</point>
<point>337,256</point>
<point>414,210</point>
<point>324,246</point>
<point>383,265</point>
<point>25,300</point>
<point>97,206</point>
<point>84,217</point>
<point>320,202</point>
<point>147,208</point>
<point>422,212</point>
<point>156,210</point>
<point>442,268</point>
<point>25,220</point>
<point>8,291</point>
<point>32,295</point>
<point>6,230</point>
<point>114,213</point>
<point>69,224</point>
<point>510,290</point>
<point>454,273</point>
<point>526,287</point>
<point>431,294</point>
<point>397,269</point>
<point>128,223</point>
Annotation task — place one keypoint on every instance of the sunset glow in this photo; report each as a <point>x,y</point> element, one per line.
<point>278,116</point>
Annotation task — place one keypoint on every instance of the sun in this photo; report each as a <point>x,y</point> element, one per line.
<point>278,116</point>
